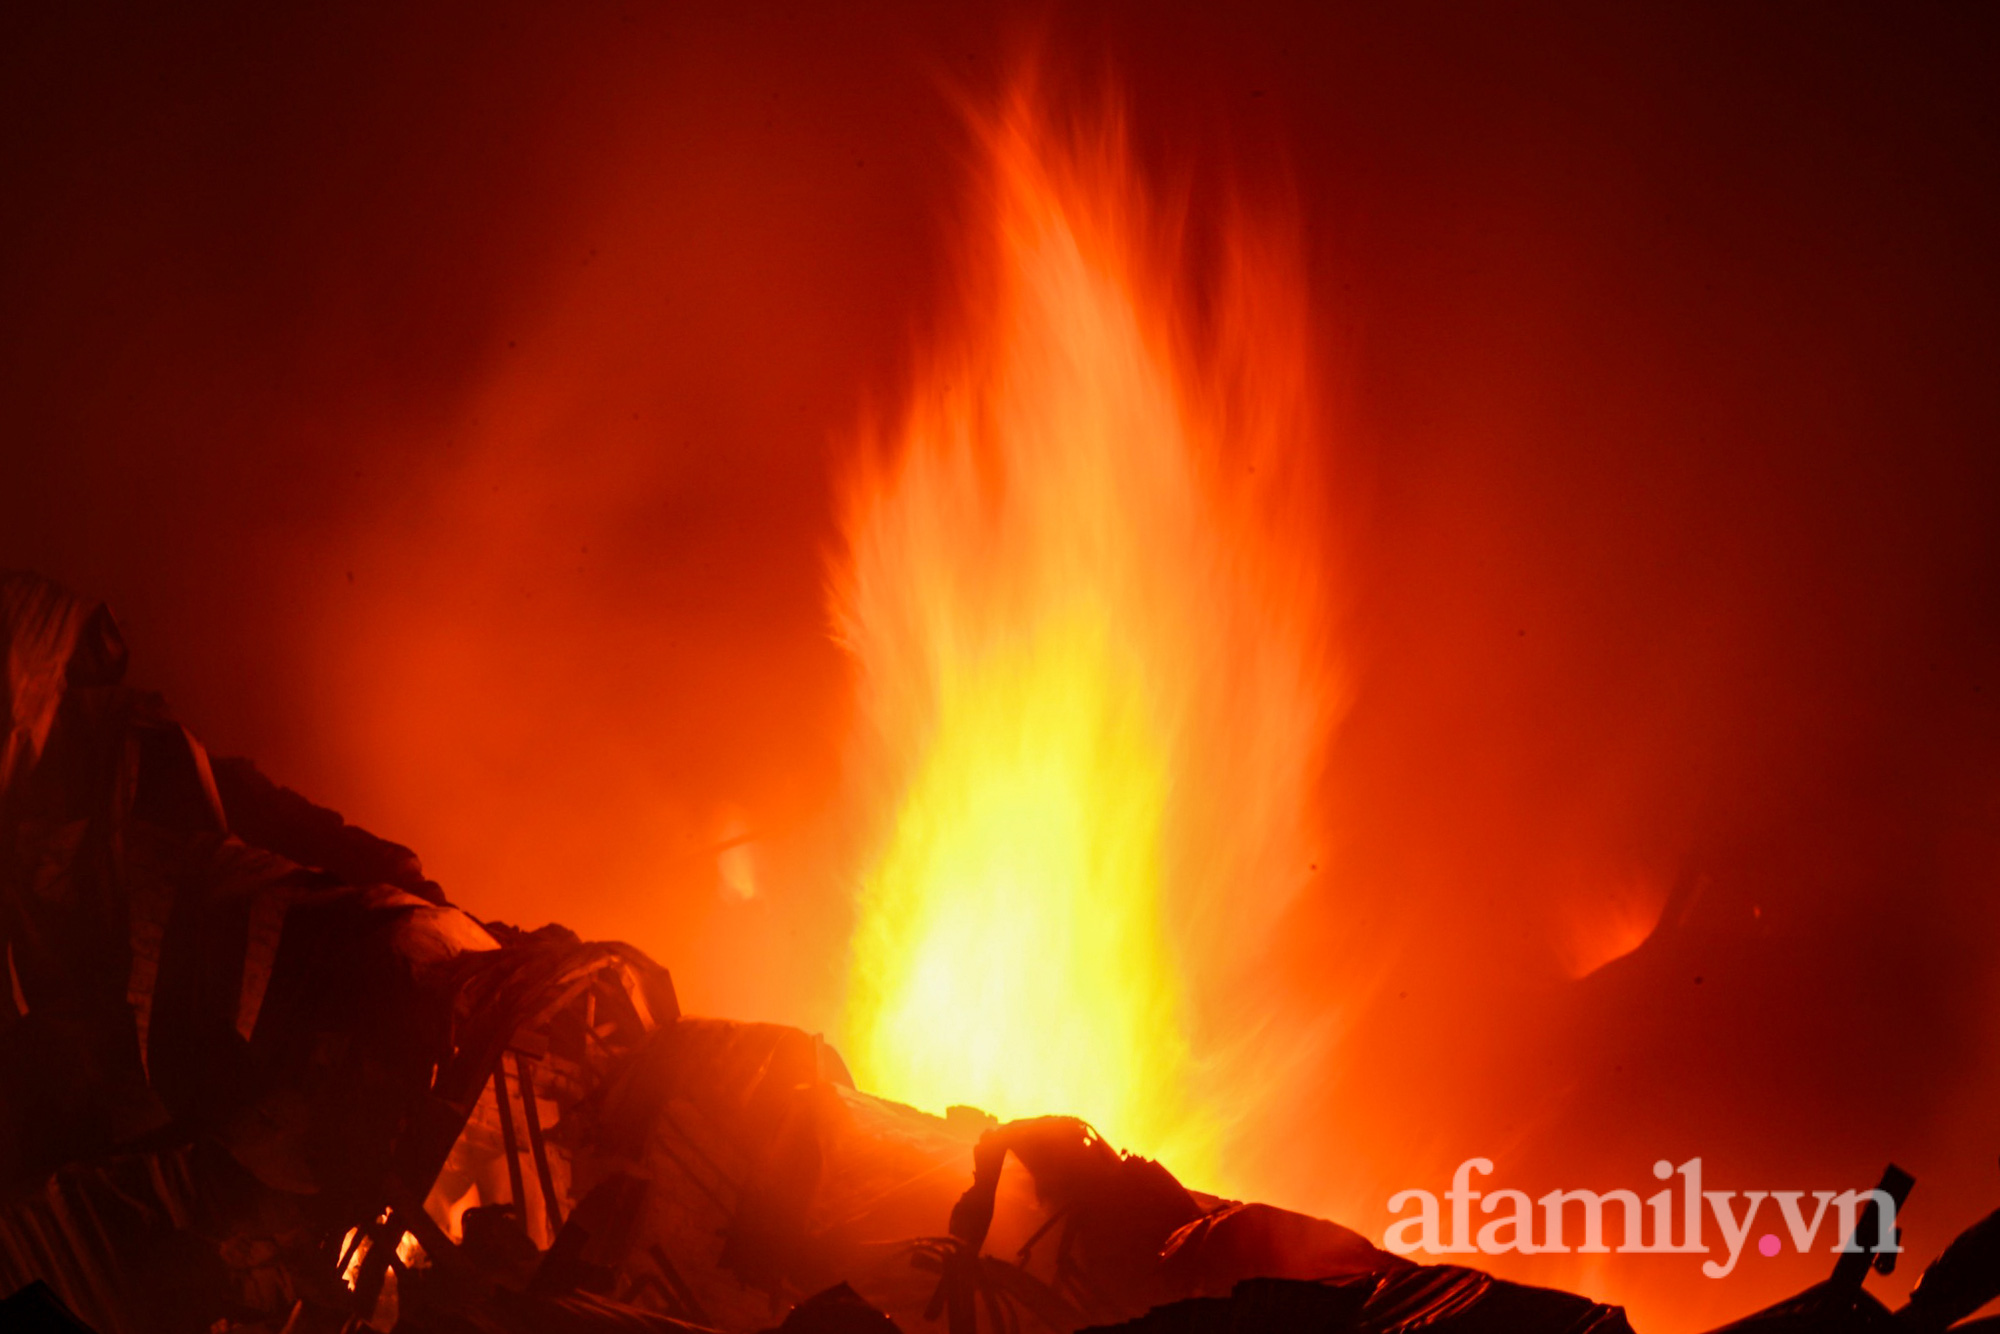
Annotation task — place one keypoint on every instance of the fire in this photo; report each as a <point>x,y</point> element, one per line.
<point>1086,596</point>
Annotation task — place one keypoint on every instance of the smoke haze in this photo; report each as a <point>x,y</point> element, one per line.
<point>449,401</point>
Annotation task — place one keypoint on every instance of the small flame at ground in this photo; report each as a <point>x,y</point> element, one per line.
<point>1086,604</point>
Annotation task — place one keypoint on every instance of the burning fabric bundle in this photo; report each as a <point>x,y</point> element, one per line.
<point>258,1074</point>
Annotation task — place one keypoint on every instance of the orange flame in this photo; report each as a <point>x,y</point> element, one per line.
<point>1087,602</point>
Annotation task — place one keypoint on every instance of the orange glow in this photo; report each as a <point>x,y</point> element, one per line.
<point>1607,919</point>
<point>356,1252</point>
<point>1086,599</point>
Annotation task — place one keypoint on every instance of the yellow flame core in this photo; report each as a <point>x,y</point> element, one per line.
<point>1012,952</point>
<point>1085,629</point>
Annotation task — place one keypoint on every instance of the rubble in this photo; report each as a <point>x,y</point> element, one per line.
<point>1443,1299</point>
<point>36,1309</point>
<point>258,1074</point>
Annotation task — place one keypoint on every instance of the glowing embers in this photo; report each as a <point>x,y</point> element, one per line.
<point>1083,594</point>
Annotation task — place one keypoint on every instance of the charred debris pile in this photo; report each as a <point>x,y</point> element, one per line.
<point>258,1074</point>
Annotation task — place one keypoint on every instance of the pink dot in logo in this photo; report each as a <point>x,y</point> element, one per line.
<point>1768,1244</point>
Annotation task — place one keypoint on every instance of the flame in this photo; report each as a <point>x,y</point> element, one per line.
<point>353,1246</point>
<point>1086,597</point>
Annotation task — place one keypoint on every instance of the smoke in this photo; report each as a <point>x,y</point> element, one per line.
<point>446,400</point>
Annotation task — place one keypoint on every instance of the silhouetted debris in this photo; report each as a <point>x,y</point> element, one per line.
<point>1958,1282</point>
<point>1440,1299</point>
<point>591,1250</point>
<point>587,1313</point>
<point>1874,1242</point>
<point>838,1310</point>
<point>1824,1308</point>
<point>267,1080</point>
<point>1128,1235</point>
<point>1840,1306</point>
<point>230,1065</point>
<point>279,820</point>
<point>36,1309</point>
<point>495,1244</point>
<point>1232,1242</point>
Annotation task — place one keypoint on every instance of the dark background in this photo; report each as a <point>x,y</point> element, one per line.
<point>447,398</point>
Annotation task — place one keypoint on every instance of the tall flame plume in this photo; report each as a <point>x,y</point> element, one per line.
<point>1086,591</point>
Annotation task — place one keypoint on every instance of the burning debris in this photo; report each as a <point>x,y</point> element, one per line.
<point>258,1074</point>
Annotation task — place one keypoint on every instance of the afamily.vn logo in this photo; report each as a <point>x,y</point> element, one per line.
<point>1514,1225</point>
